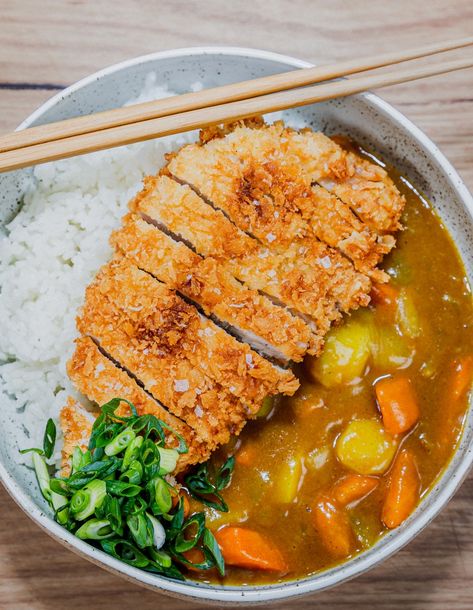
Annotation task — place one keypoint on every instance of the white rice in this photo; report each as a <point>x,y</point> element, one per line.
<point>52,250</point>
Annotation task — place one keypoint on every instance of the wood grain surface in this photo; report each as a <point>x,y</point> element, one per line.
<point>46,45</point>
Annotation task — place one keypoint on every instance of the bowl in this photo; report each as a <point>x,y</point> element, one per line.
<point>371,122</point>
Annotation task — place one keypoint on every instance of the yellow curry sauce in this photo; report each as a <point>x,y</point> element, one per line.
<point>289,457</point>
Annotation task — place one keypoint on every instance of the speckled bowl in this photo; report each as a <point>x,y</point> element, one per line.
<point>370,121</point>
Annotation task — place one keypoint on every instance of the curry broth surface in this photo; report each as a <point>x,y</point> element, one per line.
<point>303,429</point>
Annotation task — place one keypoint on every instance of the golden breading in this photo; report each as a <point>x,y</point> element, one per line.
<point>304,278</point>
<point>234,365</point>
<point>161,346</point>
<point>166,373</point>
<point>76,424</point>
<point>250,180</point>
<point>206,282</point>
<point>363,185</point>
<point>98,378</point>
<point>314,157</point>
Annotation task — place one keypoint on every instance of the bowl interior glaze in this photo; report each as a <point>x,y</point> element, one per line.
<point>374,124</point>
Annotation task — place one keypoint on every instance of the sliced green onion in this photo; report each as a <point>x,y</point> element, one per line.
<point>134,474</point>
<point>159,533</point>
<point>58,500</point>
<point>167,460</point>
<point>97,469</point>
<point>117,497</point>
<point>224,474</point>
<point>134,505</point>
<point>95,529</point>
<point>161,499</point>
<point>160,557</point>
<point>86,500</point>
<point>110,509</point>
<point>62,515</point>
<point>59,487</point>
<point>127,552</point>
<point>42,475</point>
<point>204,487</point>
<point>80,459</point>
<point>141,529</point>
<point>132,451</point>
<point>61,507</point>
<point>183,543</point>
<point>211,544</point>
<point>120,442</point>
<point>119,488</point>
<point>49,439</point>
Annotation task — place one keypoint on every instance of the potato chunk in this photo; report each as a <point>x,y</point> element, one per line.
<point>365,447</point>
<point>345,356</point>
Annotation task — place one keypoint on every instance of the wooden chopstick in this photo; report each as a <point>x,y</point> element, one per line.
<point>215,96</point>
<point>204,117</point>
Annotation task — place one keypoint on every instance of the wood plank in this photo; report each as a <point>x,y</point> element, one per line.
<point>56,42</point>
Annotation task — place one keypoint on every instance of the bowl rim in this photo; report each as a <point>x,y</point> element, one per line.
<point>391,542</point>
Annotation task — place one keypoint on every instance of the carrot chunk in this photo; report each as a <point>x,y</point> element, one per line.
<point>403,491</point>
<point>245,548</point>
<point>333,526</point>
<point>397,403</point>
<point>352,488</point>
<point>457,387</point>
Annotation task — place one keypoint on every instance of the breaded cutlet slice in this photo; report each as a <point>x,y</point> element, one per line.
<point>304,278</point>
<point>250,180</point>
<point>98,378</point>
<point>210,410</point>
<point>257,320</point>
<point>358,182</point>
<point>76,425</point>
<point>234,365</point>
<point>159,345</point>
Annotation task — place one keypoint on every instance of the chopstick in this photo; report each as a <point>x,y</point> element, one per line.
<point>142,130</point>
<point>215,96</point>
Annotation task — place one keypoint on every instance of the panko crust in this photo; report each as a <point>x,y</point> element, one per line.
<point>261,180</point>
<point>100,379</point>
<point>76,425</point>
<point>315,158</point>
<point>163,322</point>
<point>304,277</point>
<point>207,282</point>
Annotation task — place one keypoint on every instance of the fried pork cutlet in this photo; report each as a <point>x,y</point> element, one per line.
<point>264,325</point>
<point>208,347</point>
<point>177,354</point>
<point>76,424</point>
<point>310,156</point>
<point>246,174</point>
<point>98,378</point>
<point>257,177</point>
<point>304,278</point>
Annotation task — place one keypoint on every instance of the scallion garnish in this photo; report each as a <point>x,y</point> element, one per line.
<point>117,496</point>
<point>206,486</point>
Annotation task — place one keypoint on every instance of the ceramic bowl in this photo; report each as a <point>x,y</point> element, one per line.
<point>371,122</point>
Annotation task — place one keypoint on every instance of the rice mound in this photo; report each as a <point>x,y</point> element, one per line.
<point>50,253</point>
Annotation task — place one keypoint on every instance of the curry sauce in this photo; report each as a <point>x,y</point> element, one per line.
<point>288,457</point>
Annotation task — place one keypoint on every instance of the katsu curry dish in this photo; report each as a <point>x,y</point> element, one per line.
<point>271,368</point>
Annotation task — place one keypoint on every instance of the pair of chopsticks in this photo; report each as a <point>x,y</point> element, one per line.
<point>218,105</point>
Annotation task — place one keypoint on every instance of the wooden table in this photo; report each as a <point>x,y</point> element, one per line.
<point>46,45</point>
